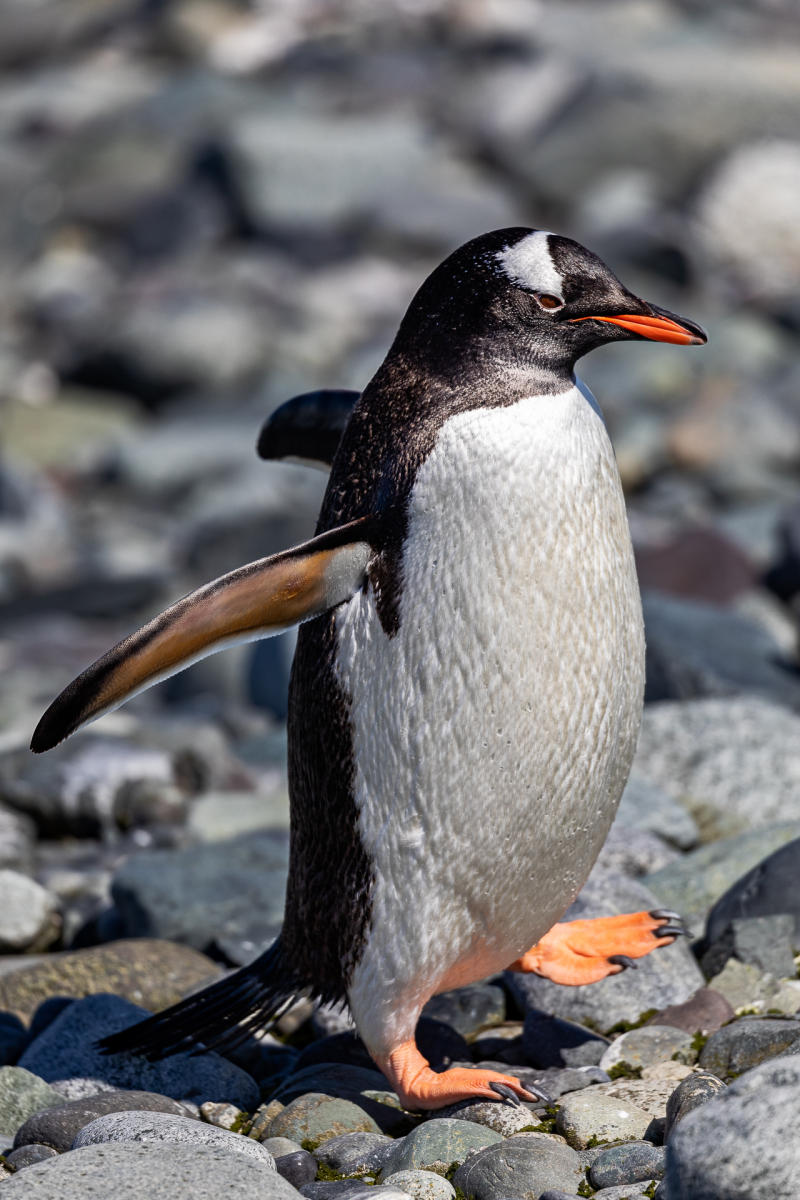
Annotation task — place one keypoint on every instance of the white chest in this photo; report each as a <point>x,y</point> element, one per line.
<point>493,734</point>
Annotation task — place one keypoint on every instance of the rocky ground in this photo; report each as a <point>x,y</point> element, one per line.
<point>208,205</point>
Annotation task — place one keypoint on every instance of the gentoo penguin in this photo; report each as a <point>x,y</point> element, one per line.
<point>467,687</point>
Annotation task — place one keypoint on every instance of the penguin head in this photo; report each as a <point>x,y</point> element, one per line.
<point>526,294</point>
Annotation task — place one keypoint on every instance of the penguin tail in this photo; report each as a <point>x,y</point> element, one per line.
<point>220,1017</point>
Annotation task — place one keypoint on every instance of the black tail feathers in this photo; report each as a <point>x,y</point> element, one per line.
<point>221,1016</point>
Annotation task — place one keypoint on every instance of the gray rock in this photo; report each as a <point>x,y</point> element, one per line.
<point>743,1144</point>
<point>59,1125</point>
<point>505,1119</point>
<point>522,1166</point>
<point>26,1156</point>
<point>700,650</point>
<point>129,1171</point>
<point>691,1093</point>
<point>297,1168</point>
<point>749,990</point>
<point>422,1185</point>
<point>704,1012</point>
<point>646,806</point>
<point>21,1095</point>
<point>278,1146</point>
<point>315,1118</point>
<point>152,1127</point>
<point>767,942</point>
<point>768,889</point>
<point>624,1191</point>
<point>365,1088</point>
<point>223,1116</point>
<point>747,1042</point>
<point>355,1153</point>
<point>67,1050</point>
<point>29,919</point>
<point>350,1189</point>
<point>717,755</point>
<point>592,1115</point>
<point>695,881</point>
<point>645,1046</point>
<point>549,1042</point>
<point>205,893</point>
<point>436,1145</point>
<point>635,1162</point>
<point>634,852</point>
<point>469,1009</point>
<point>667,976</point>
<point>17,834</point>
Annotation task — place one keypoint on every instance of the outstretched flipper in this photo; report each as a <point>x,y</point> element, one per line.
<point>254,601</point>
<point>308,428</point>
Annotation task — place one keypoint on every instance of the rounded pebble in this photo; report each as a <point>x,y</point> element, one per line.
<point>148,1128</point>
<point>422,1185</point>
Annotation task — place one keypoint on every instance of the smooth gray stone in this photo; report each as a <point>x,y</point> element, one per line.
<point>743,1144</point>
<point>355,1153</point>
<point>745,1043</point>
<point>436,1145</point>
<point>666,976</point>
<point>60,1125</point>
<point>26,1156</point>
<point>767,942</point>
<point>646,806</point>
<point>422,1185</point>
<point>149,1128</point>
<point>634,1162</point>
<point>520,1166</point>
<point>22,1094</point>
<point>691,1093</point>
<point>67,1050</point>
<point>554,1045</point>
<point>297,1168</point>
<point>468,1009</point>
<point>130,1171</point>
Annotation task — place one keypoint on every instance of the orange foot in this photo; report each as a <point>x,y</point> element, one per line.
<point>576,952</point>
<point>419,1086</point>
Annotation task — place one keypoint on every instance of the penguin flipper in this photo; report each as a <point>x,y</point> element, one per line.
<point>308,428</point>
<point>255,601</point>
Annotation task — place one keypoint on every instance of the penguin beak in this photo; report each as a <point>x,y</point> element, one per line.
<point>658,325</point>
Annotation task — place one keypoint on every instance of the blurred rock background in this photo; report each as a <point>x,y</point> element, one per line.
<point>209,205</point>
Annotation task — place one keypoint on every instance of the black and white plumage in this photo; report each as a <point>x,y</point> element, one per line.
<point>467,685</point>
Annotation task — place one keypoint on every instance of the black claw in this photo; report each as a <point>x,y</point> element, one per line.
<point>671,931</point>
<point>665,914</point>
<point>622,960</point>
<point>539,1093</point>
<point>505,1092</point>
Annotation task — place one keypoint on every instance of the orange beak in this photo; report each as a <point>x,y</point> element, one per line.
<point>657,329</point>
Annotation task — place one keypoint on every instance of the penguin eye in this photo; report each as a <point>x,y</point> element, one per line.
<point>548,301</point>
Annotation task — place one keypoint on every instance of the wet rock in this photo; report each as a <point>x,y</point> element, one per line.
<point>711,1152</point>
<point>422,1185</point>
<point>691,1093</point>
<point>29,920</point>
<point>355,1153</point>
<point>523,1166</point>
<point>469,1009</point>
<point>664,977</point>
<point>436,1145</point>
<point>695,881</point>
<point>636,1162</point>
<point>315,1118</point>
<point>134,1172</point>
<point>747,1042</point>
<point>548,1041</point>
<point>21,1095</point>
<point>59,1124</point>
<point>645,1046</point>
<point>145,971</point>
<point>592,1116</point>
<point>297,1168</point>
<point>699,650</point>
<point>67,1050</point>
<point>205,893</point>
<point>151,1128</point>
<point>768,889</point>
<point>704,1012</point>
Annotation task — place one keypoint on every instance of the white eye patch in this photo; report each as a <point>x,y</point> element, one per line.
<point>529,263</point>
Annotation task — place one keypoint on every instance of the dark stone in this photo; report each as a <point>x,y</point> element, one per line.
<point>691,1093</point>
<point>440,1044</point>
<point>770,888</point>
<point>297,1168</point>
<point>525,1165</point>
<point>468,1009</point>
<point>550,1042</point>
<point>749,1041</point>
<point>336,1189</point>
<point>59,1126</point>
<point>13,1038</point>
<point>46,1013</point>
<point>704,1012</point>
<point>632,1162</point>
<point>355,1153</point>
<point>700,563</point>
<point>26,1156</point>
